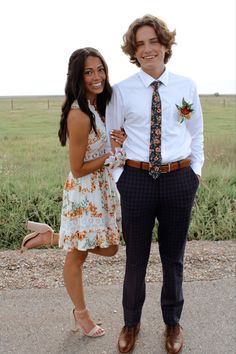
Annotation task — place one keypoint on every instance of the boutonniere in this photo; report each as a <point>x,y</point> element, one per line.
<point>185,110</point>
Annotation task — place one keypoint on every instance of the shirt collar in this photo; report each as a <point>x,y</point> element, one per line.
<point>147,79</point>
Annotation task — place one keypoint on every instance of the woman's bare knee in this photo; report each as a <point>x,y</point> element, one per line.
<point>105,252</point>
<point>113,250</point>
<point>75,258</point>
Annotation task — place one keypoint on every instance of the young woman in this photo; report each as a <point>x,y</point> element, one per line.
<point>90,219</point>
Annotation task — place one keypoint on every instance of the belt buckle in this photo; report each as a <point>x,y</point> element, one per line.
<point>167,171</point>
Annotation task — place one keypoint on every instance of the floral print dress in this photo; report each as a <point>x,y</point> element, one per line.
<point>91,214</point>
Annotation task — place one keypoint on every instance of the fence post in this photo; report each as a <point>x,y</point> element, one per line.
<point>48,104</point>
<point>12,105</point>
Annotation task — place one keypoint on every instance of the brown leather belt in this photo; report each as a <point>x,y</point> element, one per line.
<point>173,166</point>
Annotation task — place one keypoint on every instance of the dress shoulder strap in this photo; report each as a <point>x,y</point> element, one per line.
<point>75,105</point>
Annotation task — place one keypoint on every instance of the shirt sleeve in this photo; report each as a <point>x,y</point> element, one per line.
<point>195,127</point>
<point>114,114</point>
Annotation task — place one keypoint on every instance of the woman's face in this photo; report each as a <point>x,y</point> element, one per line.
<point>94,77</point>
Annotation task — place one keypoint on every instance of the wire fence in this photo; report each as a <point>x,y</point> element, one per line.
<point>28,103</point>
<point>55,102</point>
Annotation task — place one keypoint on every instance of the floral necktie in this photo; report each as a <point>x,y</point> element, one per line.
<point>155,135</point>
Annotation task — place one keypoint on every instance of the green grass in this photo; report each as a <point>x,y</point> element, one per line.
<point>30,148</point>
<point>219,114</point>
<point>220,136</point>
<point>33,168</point>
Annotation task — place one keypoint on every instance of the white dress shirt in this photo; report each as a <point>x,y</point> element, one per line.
<point>130,108</point>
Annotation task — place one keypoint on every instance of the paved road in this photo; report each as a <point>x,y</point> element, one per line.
<point>36,321</point>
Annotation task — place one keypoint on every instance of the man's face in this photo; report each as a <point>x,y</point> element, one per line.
<point>149,52</point>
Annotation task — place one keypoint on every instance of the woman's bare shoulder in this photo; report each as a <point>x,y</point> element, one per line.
<point>77,117</point>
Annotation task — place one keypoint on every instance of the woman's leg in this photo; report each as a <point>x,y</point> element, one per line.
<point>43,239</point>
<point>46,239</point>
<point>73,279</point>
<point>106,252</point>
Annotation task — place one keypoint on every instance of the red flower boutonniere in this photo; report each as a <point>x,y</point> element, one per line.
<point>185,110</point>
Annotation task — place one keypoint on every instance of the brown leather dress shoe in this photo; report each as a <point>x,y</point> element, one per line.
<point>127,338</point>
<point>174,339</point>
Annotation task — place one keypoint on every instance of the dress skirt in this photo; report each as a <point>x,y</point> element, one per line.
<point>91,215</point>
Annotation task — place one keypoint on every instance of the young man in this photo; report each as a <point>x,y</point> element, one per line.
<point>162,117</point>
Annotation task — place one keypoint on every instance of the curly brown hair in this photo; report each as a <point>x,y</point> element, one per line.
<point>164,35</point>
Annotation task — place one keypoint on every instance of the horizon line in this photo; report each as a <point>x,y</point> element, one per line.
<point>62,95</point>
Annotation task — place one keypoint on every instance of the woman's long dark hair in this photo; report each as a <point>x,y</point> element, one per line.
<point>75,90</point>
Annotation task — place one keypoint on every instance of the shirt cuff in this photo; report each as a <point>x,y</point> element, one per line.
<point>196,167</point>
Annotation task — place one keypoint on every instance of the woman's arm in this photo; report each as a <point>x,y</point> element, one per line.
<point>79,126</point>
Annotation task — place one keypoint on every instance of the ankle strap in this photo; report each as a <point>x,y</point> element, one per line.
<point>81,311</point>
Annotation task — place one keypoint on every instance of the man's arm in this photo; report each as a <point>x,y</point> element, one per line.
<point>114,117</point>
<point>195,127</point>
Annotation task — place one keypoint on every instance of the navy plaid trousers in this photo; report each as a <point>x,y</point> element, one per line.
<point>169,198</point>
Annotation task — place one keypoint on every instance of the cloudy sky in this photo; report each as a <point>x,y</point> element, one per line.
<point>38,36</point>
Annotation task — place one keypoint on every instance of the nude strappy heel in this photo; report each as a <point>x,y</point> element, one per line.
<point>77,324</point>
<point>38,228</point>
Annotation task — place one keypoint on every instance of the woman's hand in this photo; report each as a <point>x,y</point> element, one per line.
<point>118,136</point>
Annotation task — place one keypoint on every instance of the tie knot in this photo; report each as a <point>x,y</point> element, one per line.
<point>155,85</point>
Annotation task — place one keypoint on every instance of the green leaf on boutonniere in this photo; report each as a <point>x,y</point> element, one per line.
<point>185,110</point>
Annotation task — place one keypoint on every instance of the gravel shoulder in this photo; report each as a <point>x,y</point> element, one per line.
<point>42,268</point>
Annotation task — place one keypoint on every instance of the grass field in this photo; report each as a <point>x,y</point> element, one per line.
<point>33,167</point>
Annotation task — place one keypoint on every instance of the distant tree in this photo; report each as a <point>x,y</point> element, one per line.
<point>216,94</point>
